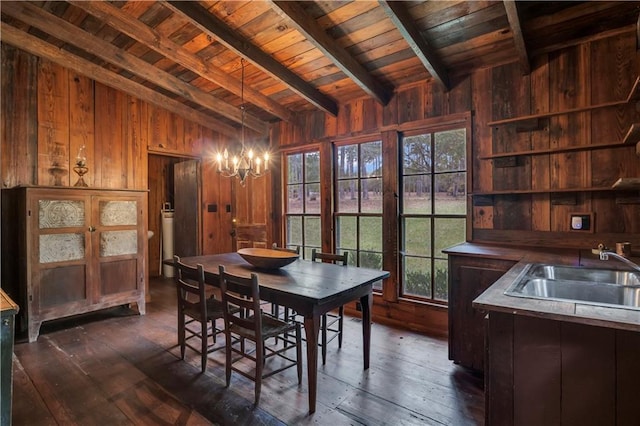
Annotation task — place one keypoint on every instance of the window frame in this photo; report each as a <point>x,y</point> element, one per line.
<point>305,250</point>
<point>354,258</point>
<point>432,216</point>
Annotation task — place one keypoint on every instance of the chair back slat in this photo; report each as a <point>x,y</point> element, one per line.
<point>190,280</point>
<point>287,249</point>
<point>243,292</point>
<point>338,259</point>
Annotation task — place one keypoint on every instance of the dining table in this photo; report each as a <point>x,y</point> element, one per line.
<point>311,289</point>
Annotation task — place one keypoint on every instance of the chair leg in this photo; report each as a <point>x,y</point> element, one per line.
<point>340,324</point>
<point>324,339</point>
<point>227,364</point>
<point>259,368</point>
<point>299,352</point>
<point>181,334</point>
<point>204,343</point>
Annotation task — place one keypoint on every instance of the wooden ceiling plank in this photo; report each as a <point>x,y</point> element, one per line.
<point>405,24</point>
<point>518,38</point>
<point>71,34</point>
<point>163,45</point>
<point>40,48</point>
<point>218,29</point>
<point>316,35</point>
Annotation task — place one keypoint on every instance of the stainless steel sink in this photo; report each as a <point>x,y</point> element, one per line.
<point>585,285</point>
<point>609,276</point>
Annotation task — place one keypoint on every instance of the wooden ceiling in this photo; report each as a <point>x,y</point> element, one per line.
<point>308,55</point>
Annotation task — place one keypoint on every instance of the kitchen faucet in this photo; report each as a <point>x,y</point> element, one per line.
<point>604,254</point>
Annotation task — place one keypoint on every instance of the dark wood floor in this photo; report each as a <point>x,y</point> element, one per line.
<point>116,367</point>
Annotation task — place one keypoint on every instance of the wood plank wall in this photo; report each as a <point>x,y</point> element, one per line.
<point>49,112</point>
<point>592,73</point>
<point>47,109</point>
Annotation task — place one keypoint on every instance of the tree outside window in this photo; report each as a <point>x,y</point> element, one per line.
<point>358,203</point>
<point>302,208</point>
<point>433,209</point>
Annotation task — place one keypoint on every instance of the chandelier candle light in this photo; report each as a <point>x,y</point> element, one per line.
<point>244,164</point>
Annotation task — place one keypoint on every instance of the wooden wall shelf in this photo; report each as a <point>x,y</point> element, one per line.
<point>559,150</point>
<point>633,95</point>
<point>627,184</point>
<point>553,190</point>
<point>632,137</point>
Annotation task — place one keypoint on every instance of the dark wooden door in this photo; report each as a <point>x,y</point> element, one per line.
<point>186,219</point>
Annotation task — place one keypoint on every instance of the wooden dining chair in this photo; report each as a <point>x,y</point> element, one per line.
<point>197,314</point>
<point>331,323</point>
<point>252,324</point>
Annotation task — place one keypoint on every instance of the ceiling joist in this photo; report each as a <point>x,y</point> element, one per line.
<point>328,46</point>
<point>64,31</point>
<point>518,38</point>
<point>398,13</point>
<point>150,38</point>
<point>35,46</point>
<point>210,24</point>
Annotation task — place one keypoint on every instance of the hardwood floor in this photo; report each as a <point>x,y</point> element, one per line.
<point>116,367</point>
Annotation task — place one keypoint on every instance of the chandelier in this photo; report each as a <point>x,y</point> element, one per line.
<point>245,163</point>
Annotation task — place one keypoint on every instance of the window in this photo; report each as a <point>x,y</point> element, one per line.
<point>302,209</point>
<point>358,203</point>
<point>432,210</point>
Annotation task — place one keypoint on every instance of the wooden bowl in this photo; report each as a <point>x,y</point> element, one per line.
<point>267,258</point>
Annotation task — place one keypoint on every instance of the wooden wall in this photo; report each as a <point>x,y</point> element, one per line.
<point>592,73</point>
<point>49,112</point>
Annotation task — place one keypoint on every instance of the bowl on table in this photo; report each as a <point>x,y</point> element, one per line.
<point>267,258</point>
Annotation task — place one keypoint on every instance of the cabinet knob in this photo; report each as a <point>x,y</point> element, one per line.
<point>92,229</point>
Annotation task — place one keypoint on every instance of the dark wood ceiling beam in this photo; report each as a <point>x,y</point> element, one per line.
<point>150,38</point>
<point>518,38</point>
<point>69,33</point>
<point>317,36</point>
<point>76,37</point>
<point>40,48</point>
<point>399,15</point>
<point>211,25</point>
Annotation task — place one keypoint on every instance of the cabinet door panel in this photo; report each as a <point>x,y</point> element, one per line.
<point>118,243</point>
<point>61,247</point>
<point>60,213</point>
<point>118,212</point>
<point>63,285</point>
<point>119,276</point>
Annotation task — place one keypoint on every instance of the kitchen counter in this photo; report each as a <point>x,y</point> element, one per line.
<point>545,361</point>
<point>494,299</point>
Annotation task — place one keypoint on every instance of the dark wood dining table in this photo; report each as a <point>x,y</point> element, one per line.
<point>311,289</point>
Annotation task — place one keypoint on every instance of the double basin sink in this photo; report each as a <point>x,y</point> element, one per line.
<point>603,287</point>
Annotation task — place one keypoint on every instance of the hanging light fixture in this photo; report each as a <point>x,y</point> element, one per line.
<point>244,164</point>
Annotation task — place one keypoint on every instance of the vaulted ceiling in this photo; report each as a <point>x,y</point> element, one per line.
<point>190,57</point>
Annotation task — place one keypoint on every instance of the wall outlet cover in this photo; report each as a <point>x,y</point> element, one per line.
<point>581,222</point>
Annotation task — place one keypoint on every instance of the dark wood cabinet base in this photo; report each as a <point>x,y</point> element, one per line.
<point>542,371</point>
